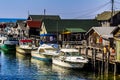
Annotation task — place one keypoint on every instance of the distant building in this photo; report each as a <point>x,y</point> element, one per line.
<point>106,18</point>
<point>33,28</point>
<point>68,29</point>
<point>43,17</point>
<point>100,36</point>
<point>116,34</point>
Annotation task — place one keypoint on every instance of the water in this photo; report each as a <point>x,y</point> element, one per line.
<point>14,66</point>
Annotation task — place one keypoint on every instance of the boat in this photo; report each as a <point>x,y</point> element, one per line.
<point>45,52</point>
<point>69,58</point>
<point>2,39</point>
<point>10,43</point>
<point>25,46</point>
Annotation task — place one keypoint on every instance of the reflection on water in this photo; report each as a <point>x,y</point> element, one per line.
<point>15,66</point>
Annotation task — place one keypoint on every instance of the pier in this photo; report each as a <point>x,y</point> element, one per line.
<point>99,61</point>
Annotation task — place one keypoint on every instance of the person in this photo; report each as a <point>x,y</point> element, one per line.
<point>105,52</point>
<point>100,41</point>
<point>112,53</point>
<point>41,42</point>
<point>67,46</point>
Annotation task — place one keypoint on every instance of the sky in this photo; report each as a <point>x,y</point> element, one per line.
<point>66,9</point>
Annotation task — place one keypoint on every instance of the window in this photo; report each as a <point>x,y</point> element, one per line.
<point>41,50</point>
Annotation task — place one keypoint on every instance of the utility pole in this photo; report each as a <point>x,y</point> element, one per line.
<point>44,11</point>
<point>112,10</point>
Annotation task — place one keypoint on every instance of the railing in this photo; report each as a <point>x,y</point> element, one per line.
<point>73,42</point>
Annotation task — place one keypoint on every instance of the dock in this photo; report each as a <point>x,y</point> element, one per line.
<point>98,60</point>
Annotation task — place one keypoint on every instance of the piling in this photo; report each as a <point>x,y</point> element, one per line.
<point>114,68</point>
<point>102,66</point>
<point>86,51</point>
<point>95,52</point>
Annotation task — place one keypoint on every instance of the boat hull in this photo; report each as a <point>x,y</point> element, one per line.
<point>6,47</point>
<point>67,64</point>
<point>24,51</point>
<point>39,56</point>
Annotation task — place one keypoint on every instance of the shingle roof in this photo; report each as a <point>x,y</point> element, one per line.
<point>106,15</point>
<point>34,24</point>
<point>60,25</point>
<point>41,17</point>
<point>103,31</point>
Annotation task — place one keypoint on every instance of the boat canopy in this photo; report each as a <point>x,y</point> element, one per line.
<point>25,40</point>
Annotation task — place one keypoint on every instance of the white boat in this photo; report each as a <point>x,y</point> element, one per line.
<point>45,52</point>
<point>25,46</point>
<point>2,39</point>
<point>69,58</point>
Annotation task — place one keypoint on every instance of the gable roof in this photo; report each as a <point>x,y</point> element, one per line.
<point>105,32</point>
<point>106,15</point>
<point>34,24</point>
<point>60,25</point>
<point>41,17</point>
<point>115,30</point>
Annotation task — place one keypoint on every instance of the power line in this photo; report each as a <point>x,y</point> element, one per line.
<point>94,10</point>
<point>83,10</point>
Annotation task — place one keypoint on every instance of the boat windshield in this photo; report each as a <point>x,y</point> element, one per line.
<point>50,49</point>
<point>72,54</point>
<point>26,44</point>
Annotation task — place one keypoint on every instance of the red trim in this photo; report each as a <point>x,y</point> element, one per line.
<point>25,40</point>
<point>34,24</point>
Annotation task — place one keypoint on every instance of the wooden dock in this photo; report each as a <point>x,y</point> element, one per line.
<point>97,57</point>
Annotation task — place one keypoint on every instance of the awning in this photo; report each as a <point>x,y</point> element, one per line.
<point>66,32</point>
<point>75,30</point>
<point>26,40</point>
<point>47,34</point>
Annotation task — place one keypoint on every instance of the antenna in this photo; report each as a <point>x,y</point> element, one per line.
<point>112,10</point>
<point>28,12</point>
<point>44,11</point>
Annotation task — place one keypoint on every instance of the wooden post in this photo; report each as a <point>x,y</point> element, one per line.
<point>115,68</point>
<point>102,66</point>
<point>86,51</point>
<point>99,67</point>
<point>80,50</point>
<point>92,58</point>
<point>95,52</point>
<point>107,62</point>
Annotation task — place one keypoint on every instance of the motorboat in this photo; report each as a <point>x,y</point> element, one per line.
<point>26,46</point>
<point>9,43</point>
<point>2,39</point>
<point>45,52</point>
<point>69,58</point>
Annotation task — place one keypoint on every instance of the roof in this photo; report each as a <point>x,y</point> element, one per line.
<point>41,17</point>
<point>61,25</point>
<point>105,32</point>
<point>75,30</point>
<point>34,24</point>
<point>106,15</point>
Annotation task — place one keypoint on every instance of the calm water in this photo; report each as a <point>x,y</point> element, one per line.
<point>15,66</point>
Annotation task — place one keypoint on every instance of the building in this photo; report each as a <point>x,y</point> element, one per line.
<point>68,29</point>
<point>106,19</point>
<point>100,36</point>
